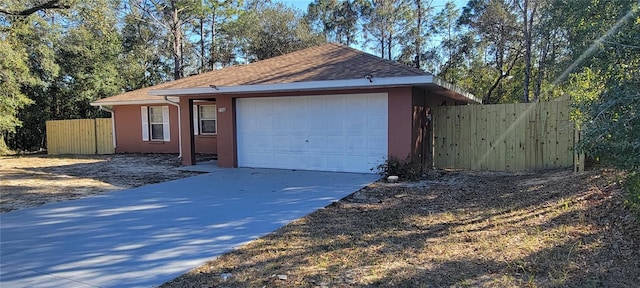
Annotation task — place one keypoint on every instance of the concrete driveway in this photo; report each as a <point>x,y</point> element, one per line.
<point>146,236</point>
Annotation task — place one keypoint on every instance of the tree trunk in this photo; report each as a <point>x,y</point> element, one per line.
<point>176,26</point>
<point>541,69</point>
<point>202,55</point>
<point>389,46</point>
<point>4,150</point>
<point>449,41</point>
<point>213,58</point>
<point>527,33</point>
<point>418,33</point>
<point>382,40</point>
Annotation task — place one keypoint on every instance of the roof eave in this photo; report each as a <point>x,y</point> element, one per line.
<point>128,102</point>
<point>299,86</point>
<point>363,83</point>
<point>456,89</point>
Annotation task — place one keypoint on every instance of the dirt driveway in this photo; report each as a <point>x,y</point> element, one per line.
<point>34,180</point>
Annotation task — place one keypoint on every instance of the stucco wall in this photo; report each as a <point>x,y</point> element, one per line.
<point>400,123</point>
<point>207,144</point>
<point>128,125</point>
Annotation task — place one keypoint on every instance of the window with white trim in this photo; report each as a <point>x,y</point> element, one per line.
<point>205,120</point>
<point>155,123</point>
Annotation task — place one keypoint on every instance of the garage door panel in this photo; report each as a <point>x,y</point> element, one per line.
<point>335,144</point>
<point>336,125</point>
<point>280,124</point>
<point>298,159</point>
<point>356,125</point>
<point>356,143</point>
<point>374,144</point>
<point>258,142</point>
<point>264,123</point>
<point>316,103</point>
<point>356,104</point>
<point>345,133</point>
<point>279,106</point>
<point>316,161</point>
<point>377,125</point>
<point>356,163</point>
<point>376,100</point>
<point>259,159</point>
<point>337,161</point>
<point>298,143</point>
<point>319,124</point>
<point>281,160</point>
<point>317,143</point>
<point>283,143</point>
<point>336,106</point>
<point>299,124</point>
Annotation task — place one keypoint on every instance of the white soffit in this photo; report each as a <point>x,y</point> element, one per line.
<point>300,86</point>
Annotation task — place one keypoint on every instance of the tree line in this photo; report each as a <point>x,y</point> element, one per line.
<point>59,55</point>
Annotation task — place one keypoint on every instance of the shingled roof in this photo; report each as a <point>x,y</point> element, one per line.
<point>328,62</point>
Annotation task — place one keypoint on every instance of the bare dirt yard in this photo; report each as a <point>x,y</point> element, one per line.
<point>546,229</point>
<point>33,180</point>
<point>456,229</point>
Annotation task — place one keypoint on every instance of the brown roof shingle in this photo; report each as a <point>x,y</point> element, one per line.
<point>325,62</point>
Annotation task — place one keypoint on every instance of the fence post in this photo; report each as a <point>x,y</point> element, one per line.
<point>95,136</point>
<point>578,162</point>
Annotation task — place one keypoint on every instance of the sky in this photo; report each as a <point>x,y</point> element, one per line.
<point>437,5</point>
<point>302,4</point>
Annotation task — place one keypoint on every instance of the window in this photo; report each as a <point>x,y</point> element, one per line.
<point>205,121</point>
<point>155,123</point>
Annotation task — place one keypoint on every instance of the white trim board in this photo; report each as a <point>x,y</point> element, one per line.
<point>298,86</point>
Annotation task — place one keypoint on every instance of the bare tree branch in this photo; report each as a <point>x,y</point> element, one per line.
<point>51,4</point>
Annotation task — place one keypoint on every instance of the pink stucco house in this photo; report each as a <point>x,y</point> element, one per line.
<point>328,108</point>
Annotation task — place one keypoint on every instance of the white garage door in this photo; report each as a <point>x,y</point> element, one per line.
<point>344,133</point>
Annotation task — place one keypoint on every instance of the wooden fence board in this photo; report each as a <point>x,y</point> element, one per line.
<point>507,137</point>
<point>492,136</point>
<point>436,119</point>
<point>485,147</point>
<point>522,121</point>
<point>565,129</point>
<point>530,134</point>
<point>448,145</point>
<point>461,139</point>
<point>104,136</point>
<point>510,139</point>
<point>454,124</point>
<point>80,136</point>
<point>473,137</point>
<point>501,136</point>
<point>550,136</point>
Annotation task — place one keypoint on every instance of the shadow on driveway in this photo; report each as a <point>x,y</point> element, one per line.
<point>148,235</point>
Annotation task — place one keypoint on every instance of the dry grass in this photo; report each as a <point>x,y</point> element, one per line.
<point>465,229</point>
<point>33,180</point>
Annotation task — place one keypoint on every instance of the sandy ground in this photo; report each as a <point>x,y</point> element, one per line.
<point>34,180</point>
<point>454,229</point>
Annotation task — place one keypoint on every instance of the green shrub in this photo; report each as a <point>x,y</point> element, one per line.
<point>610,124</point>
<point>407,170</point>
<point>632,187</point>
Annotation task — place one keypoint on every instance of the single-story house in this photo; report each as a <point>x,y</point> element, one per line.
<point>329,108</point>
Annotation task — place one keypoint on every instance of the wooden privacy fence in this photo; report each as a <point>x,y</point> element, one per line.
<point>503,137</point>
<point>81,136</point>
